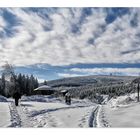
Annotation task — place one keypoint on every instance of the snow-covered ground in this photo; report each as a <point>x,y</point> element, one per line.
<point>45,111</point>
<point>123,111</point>
<point>4,114</point>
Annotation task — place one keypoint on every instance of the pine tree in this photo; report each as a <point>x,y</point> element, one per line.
<point>45,82</point>
<point>19,79</point>
<point>36,83</point>
<point>32,81</point>
<point>27,85</point>
<point>23,84</point>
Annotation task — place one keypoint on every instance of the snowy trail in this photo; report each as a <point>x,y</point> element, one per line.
<point>52,113</point>
<point>18,116</point>
<point>35,113</point>
<point>25,120</point>
<point>102,118</point>
<point>74,117</point>
<point>93,117</point>
<point>15,118</point>
<point>98,117</point>
<point>49,112</point>
<point>69,116</point>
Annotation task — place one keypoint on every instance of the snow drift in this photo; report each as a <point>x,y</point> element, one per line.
<point>122,100</point>
<point>3,99</point>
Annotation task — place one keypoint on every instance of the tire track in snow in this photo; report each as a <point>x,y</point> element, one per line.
<point>97,118</point>
<point>39,120</point>
<point>36,113</point>
<point>46,120</point>
<point>93,117</point>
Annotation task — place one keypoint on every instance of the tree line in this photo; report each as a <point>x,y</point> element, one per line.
<point>92,91</point>
<point>23,84</point>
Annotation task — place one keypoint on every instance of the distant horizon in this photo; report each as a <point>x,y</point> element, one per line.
<point>40,81</point>
<point>109,74</point>
<point>48,72</point>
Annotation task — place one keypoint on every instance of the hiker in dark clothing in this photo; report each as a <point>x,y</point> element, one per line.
<point>68,99</point>
<point>16,96</point>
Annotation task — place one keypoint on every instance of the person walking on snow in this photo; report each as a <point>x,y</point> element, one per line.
<point>16,96</point>
<point>68,98</point>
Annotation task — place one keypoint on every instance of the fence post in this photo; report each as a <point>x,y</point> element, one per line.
<point>138,88</point>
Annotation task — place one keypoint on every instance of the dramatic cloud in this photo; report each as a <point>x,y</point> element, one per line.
<point>3,24</point>
<point>63,36</point>
<point>70,36</point>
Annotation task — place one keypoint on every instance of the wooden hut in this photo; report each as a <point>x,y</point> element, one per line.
<point>44,90</point>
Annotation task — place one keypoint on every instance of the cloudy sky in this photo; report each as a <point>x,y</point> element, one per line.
<point>63,42</point>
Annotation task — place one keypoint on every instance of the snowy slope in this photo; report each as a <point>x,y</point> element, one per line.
<point>123,111</point>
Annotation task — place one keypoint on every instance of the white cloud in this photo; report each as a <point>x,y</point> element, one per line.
<point>3,24</point>
<point>65,75</point>
<point>32,43</point>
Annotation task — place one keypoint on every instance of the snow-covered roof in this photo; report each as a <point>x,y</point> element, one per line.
<point>44,87</point>
<point>64,90</point>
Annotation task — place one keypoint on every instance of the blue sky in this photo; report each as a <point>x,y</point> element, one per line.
<point>53,43</point>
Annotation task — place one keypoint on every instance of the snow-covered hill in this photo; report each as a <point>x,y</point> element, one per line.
<point>92,79</point>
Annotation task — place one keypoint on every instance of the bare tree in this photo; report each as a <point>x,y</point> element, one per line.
<point>11,79</point>
<point>8,71</point>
